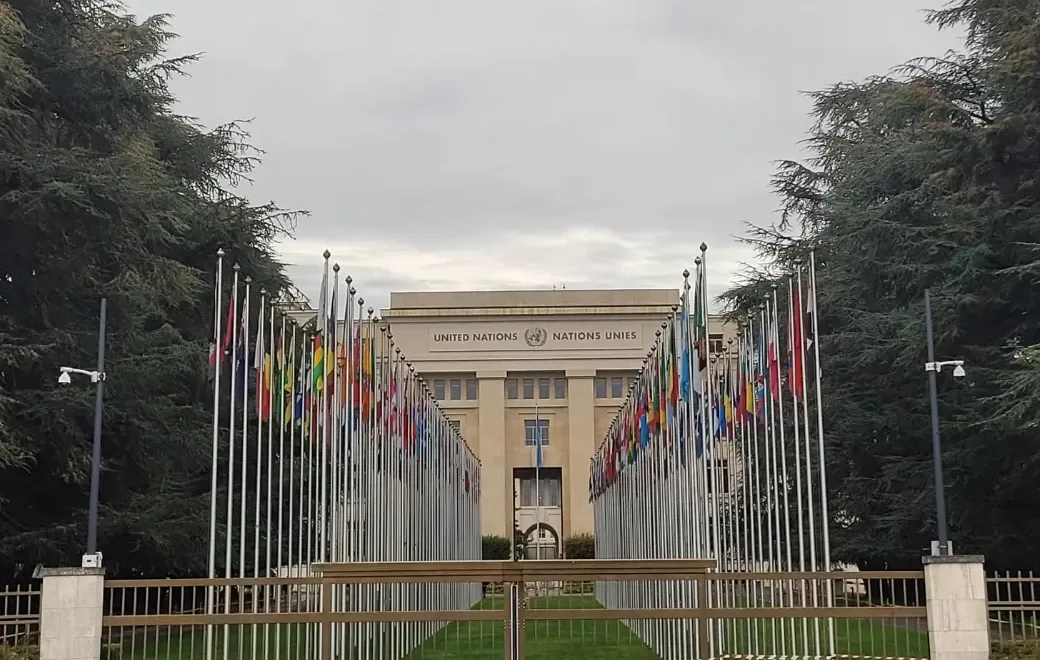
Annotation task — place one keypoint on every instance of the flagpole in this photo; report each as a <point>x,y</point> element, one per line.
<point>537,479</point>
<point>231,452</point>
<point>258,365</point>
<point>824,505</point>
<point>810,496</point>
<point>215,450</point>
<point>280,357</point>
<point>797,349</point>
<point>291,570</point>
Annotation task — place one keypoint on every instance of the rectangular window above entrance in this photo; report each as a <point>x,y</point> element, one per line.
<point>531,429</point>
<point>617,387</point>
<point>438,390</point>
<point>544,388</point>
<point>511,389</point>
<point>547,487</point>
<point>601,388</point>
<point>472,389</point>
<point>529,388</point>
<point>455,389</point>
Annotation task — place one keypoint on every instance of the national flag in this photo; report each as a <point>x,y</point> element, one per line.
<point>796,346</point>
<point>810,321</point>
<point>538,442</point>
<point>685,366</point>
<point>264,396</point>
<point>318,368</point>
<point>258,361</point>
<point>298,405</point>
<point>774,366</point>
<point>330,347</point>
<point>242,355</point>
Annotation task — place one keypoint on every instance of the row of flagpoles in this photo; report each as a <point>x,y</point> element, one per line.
<point>717,454</point>
<point>343,455</point>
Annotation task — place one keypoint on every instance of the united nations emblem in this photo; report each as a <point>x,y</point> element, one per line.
<point>535,337</point>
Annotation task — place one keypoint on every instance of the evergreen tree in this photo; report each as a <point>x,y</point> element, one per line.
<point>106,191</point>
<point>927,179</point>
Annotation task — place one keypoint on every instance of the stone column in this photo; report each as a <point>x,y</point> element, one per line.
<point>955,594</point>
<point>581,415</point>
<point>71,605</point>
<point>496,477</point>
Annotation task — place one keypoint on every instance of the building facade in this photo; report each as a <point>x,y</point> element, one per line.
<point>512,366</point>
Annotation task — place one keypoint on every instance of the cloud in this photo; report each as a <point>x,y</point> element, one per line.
<point>467,144</point>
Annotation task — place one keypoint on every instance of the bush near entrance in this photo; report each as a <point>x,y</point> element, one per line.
<point>494,548</point>
<point>580,546</point>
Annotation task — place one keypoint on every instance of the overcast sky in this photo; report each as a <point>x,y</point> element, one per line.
<point>476,144</point>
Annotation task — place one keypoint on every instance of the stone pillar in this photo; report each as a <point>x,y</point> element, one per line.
<point>581,441</point>
<point>71,606</point>
<point>496,477</point>
<point>955,595</point>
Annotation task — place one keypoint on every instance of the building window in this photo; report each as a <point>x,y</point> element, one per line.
<point>455,389</point>
<point>601,388</point>
<point>544,388</point>
<point>631,383</point>
<point>511,389</point>
<point>723,475</point>
<point>472,389</point>
<point>716,344</point>
<point>529,388</point>
<point>617,387</point>
<point>532,428</point>
<point>547,488</point>
<point>561,388</point>
<point>438,390</point>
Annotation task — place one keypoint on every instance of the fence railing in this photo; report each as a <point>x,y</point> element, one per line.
<point>595,608</point>
<point>1014,607</point>
<point>19,614</point>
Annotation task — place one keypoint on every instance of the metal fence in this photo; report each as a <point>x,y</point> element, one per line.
<point>19,614</point>
<point>1014,607</point>
<point>572,609</point>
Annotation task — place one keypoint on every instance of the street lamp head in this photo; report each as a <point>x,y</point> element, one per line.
<point>958,371</point>
<point>64,378</point>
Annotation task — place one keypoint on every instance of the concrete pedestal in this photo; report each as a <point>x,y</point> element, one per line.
<point>955,591</point>
<point>71,607</point>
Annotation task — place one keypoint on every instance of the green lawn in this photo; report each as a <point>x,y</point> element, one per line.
<point>857,637</point>
<point>565,640</point>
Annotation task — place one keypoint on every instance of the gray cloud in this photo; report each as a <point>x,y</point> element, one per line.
<point>481,144</point>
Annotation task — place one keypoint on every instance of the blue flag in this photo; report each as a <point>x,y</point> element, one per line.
<point>538,443</point>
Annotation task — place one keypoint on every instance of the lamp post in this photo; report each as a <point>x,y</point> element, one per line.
<point>943,546</point>
<point>92,558</point>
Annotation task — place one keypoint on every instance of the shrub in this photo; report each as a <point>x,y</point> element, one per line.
<point>580,546</point>
<point>1024,650</point>
<point>27,652</point>
<point>32,652</point>
<point>494,548</point>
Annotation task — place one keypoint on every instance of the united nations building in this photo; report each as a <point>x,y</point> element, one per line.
<point>508,366</point>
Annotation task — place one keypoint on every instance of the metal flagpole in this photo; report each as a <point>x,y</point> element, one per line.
<point>229,524</point>
<point>824,509</point>
<point>258,357</point>
<point>216,447</point>
<point>537,480</point>
<point>797,349</point>
<point>243,474</point>
<point>811,518</point>
<point>269,414</point>
<point>281,571</point>
<point>293,639</point>
<point>309,441</point>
